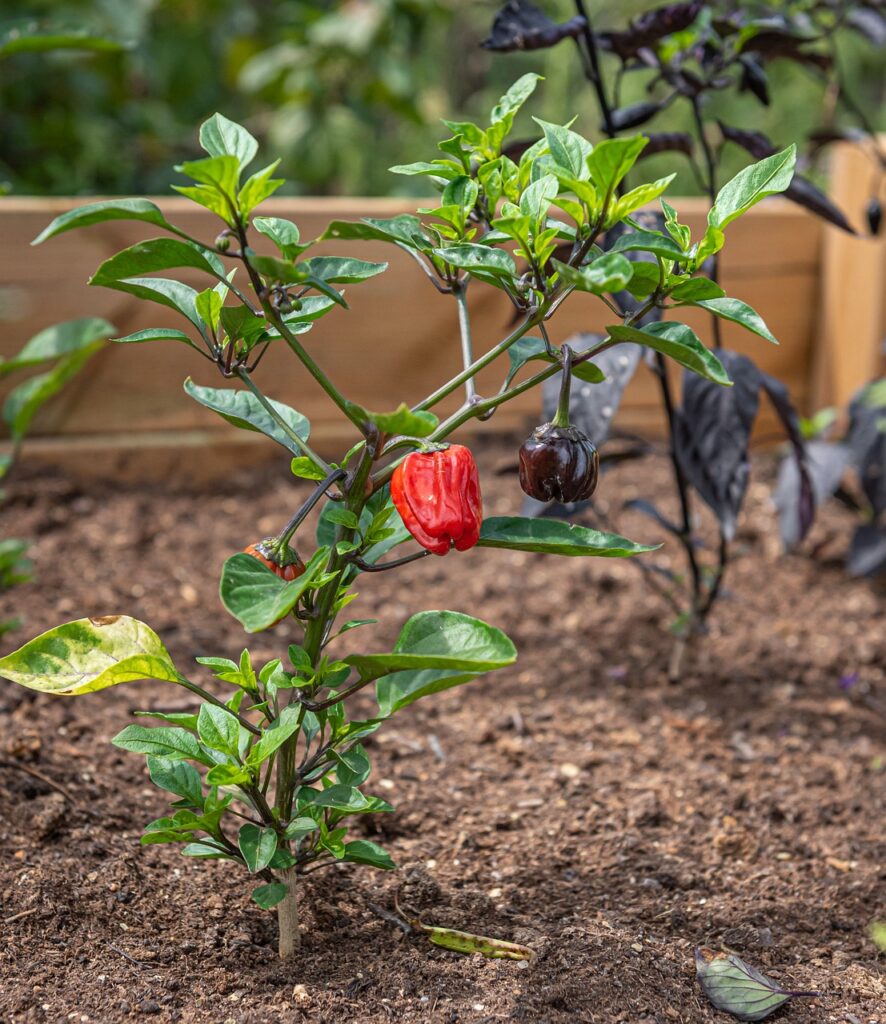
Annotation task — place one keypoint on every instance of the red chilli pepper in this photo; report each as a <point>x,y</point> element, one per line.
<point>438,497</point>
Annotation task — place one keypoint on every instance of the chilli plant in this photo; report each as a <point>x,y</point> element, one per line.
<point>687,55</point>
<point>270,774</point>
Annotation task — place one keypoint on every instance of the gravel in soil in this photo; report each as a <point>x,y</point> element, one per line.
<point>577,803</point>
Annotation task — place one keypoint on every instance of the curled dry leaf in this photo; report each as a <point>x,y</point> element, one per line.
<point>736,987</point>
<point>467,942</point>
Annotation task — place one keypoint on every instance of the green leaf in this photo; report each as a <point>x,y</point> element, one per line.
<point>611,160</point>
<point>640,196</point>
<point>649,241</point>
<point>155,334</point>
<point>695,289</point>
<point>172,294</point>
<point>553,537</point>
<point>274,736</point>
<point>405,228</point>
<point>473,257</point>
<point>206,850</point>
<point>536,198</point>
<point>220,173</point>
<point>243,410</point>
<point>568,149</point>
<point>172,744</point>
<point>515,97</point>
<point>298,828</point>
<point>90,654</point>
<point>440,640</point>
<point>738,312</point>
<point>340,269</point>
<point>399,689</point>
<point>610,272</point>
<point>177,777</point>
<point>283,233</point>
<point>401,421</point>
<point>97,213</point>
<point>221,137</point>
<point>208,304</point>
<point>268,896</point>
<point>677,341</point>
<point>364,851</point>
<point>446,169</point>
<point>750,185</point>
<point>23,402</point>
<point>257,188</point>
<point>680,233</point>
<point>526,349</point>
<point>228,775</point>
<point>218,729</point>
<point>306,469</point>
<point>258,597</point>
<point>345,800</point>
<point>462,192</point>
<point>258,846</point>
<point>157,254</point>
<point>59,340</point>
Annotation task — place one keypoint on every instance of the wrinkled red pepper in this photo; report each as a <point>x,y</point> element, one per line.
<point>438,497</point>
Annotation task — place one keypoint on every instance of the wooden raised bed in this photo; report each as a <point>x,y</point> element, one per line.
<point>820,291</point>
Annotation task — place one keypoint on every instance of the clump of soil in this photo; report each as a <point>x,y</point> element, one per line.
<point>577,803</point>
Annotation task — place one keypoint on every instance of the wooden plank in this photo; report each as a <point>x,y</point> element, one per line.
<point>377,359</point>
<point>852,315</point>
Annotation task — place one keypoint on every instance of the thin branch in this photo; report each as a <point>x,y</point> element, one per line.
<point>467,347</point>
<point>298,441</point>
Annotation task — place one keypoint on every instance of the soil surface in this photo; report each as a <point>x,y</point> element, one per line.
<point>578,803</point>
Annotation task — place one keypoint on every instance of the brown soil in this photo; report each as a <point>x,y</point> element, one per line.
<point>577,803</point>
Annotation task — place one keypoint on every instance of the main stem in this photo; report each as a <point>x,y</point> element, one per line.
<point>317,630</point>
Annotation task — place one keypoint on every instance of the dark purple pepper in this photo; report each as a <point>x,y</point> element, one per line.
<point>874,214</point>
<point>558,464</point>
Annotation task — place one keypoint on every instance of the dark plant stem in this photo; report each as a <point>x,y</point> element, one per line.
<point>289,529</point>
<point>681,482</point>
<point>395,563</point>
<point>711,188</point>
<point>594,74</point>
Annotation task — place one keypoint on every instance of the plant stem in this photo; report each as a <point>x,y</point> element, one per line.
<point>289,529</point>
<point>291,340</point>
<point>212,699</point>
<point>594,74</point>
<point>562,417</point>
<point>289,935</point>
<point>299,442</point>
<point>467,348</point>
<point>470,371</point>
<point>680,480</point>
<point>711,186</point>
<point>317,628</point>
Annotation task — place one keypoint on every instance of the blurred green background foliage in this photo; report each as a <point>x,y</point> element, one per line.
<point>341,90</point>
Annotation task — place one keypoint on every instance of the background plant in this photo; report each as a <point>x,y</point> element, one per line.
<point>66,348</point>
<point>363,80</point>
<point>861,456</point>
<point>688,56</point>
<point>269,776</point>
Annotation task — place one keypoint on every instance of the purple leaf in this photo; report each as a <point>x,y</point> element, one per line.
<point>520,25</point>
<point>736,987</point>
